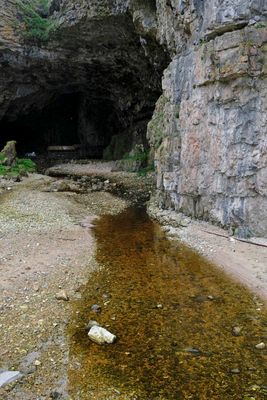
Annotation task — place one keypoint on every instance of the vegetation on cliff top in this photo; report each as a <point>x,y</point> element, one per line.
<point>33,20</point>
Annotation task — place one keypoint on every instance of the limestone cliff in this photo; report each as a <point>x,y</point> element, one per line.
<point>208,131</point>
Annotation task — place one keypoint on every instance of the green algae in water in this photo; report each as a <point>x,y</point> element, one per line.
<point>173,313</point>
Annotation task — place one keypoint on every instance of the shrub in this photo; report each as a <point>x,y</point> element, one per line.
<point>37,27</point>
<point>23,165</point>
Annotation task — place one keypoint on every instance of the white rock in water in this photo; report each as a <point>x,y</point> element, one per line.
<point>260,346</point>
<point>101,335</point>
<point>9,376</point>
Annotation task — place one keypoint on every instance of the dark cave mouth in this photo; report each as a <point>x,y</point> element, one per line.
<point>65,122</point>
<point>75,126</point>
<point>97,93</point>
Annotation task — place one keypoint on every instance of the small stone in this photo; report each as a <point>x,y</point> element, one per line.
<point>62,295</point>
<point>235,371</point>
<point>96,308</point>
<point>237,330</point>
<point>37,363</point>
<point>210,297</point>
<point>159,305</point>
<point>36,287</point>
<point>260,346</point>
<point>192,350</point>
<point>101,335</point>
<point>91,323</point>
<point>9,376</point>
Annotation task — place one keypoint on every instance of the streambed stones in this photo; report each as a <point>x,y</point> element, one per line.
<point>101,335</point>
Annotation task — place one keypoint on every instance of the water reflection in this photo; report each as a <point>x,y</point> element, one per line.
<point>173,314</point>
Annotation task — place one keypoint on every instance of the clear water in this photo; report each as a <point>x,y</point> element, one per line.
<point>175,341</point>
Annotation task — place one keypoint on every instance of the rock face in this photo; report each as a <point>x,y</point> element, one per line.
<point>208,131</point>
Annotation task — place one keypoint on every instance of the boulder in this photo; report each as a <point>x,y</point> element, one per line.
<point>9,153</point>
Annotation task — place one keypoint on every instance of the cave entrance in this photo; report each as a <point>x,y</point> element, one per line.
<point>94,87</point>
<point>53,125</point>
<point>70,126</point>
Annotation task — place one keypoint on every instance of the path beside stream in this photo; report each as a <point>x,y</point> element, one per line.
<point>47,245</point>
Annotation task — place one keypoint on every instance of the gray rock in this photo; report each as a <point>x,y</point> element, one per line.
<point>96,308</point>
<point>8,377</point>
<point>62,295</point>
<point>10,154</point>
<point>192,350</point>
<point>235,371</point>
<point>91,323</point>
<point>101,335</point>
<point>237,330</point>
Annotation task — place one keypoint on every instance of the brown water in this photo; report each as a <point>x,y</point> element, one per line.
<point>174,340</point>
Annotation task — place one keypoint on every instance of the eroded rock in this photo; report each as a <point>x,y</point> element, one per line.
<point>9,153</point>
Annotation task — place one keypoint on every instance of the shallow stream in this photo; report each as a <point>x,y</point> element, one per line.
<point>174,316</point>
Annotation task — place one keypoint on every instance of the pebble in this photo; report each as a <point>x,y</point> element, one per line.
<point>37,363</point>
<point>237,330</point>
<point>92,323</point>
<point>235,371</point>
<point>260,346</point>
<point>96,308</point>
<point>62,295</point>
<point>36,287</point>
<point>101,335</point>
<point>192,350</point>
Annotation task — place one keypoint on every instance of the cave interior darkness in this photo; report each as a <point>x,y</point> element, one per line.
<point>61,123</point>
<point>68,119</point>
